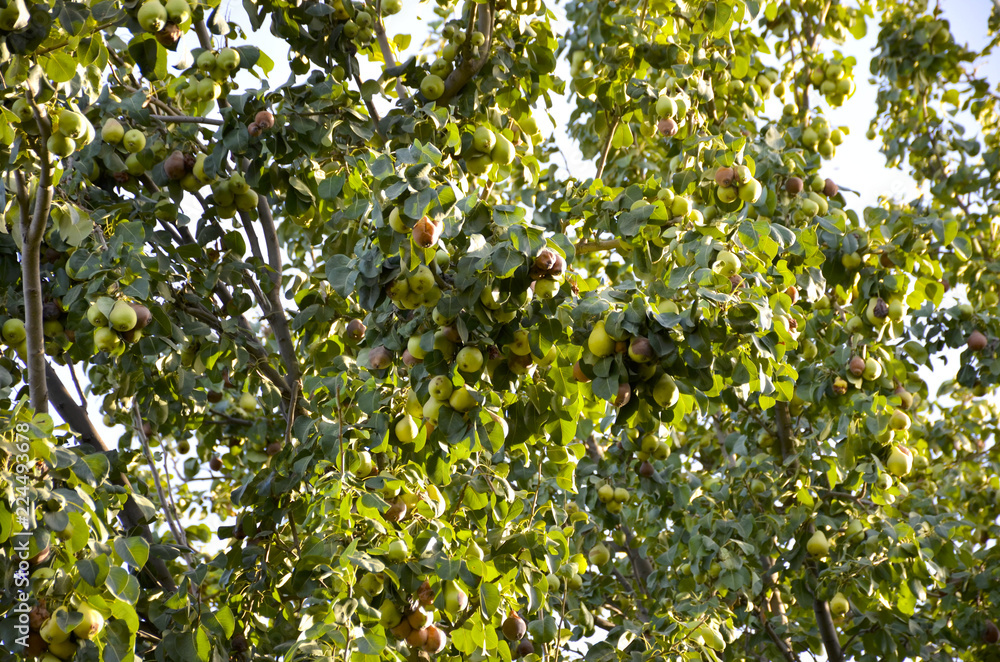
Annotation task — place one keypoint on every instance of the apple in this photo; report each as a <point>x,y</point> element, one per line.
<point>432,87</point>
<point>599,342</point>
<point>818,545</point>
<point>839,605</point>
<point>900,461</point>
<point>397,551</point>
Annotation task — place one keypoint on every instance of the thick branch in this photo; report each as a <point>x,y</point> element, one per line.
<point>32,232</point>
<point>827,630</point>
<point>386,48</point>
<point>276,316</point>
<point>781,645</point>
<point>130,516</point>
<point>464,72</point>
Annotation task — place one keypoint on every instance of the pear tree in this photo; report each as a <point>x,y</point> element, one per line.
<point>386,380</point>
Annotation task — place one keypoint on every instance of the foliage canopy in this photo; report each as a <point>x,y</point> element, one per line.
<point>395,385</point>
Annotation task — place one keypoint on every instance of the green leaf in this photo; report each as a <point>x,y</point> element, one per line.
<point>133,551</point>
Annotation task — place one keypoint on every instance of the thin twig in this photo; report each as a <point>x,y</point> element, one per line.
<point>174,526</point>
<point>606,149</point>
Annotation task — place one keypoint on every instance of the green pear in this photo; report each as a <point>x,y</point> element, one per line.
<point>818,545</point>
<point>105,339</point>
<point>839,605</point>
<point>92,623</point>
<point>599,554</point>
<point>484,140</point>
<point>13,331</point>
<point>152,16</point>
<point>599,342</point>
<point>900,461</point>
<point>122,317</point>
<point>397,551</point>
<point>112,131</point>
<point>665,392</point>
<point>503,152</point>
<point>178,11</point>
<point>406,428</point>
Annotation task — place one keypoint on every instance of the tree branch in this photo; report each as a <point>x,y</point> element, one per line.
<point>606,149</point>
<point>171,522</point>
<point>276,317</point>
<point>386,48</point>
<point>464,72</point>
<point>130,516</point>
<point>827,630</point>
<point>587,247</point>
<point>32,232</point>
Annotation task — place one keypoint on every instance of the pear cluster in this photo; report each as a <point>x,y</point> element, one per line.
<point>47,637</point>
<point>819,137</point>
<point>671,112</point>
<point>489,148</point>
<point>168,21</point>
<point>232,194</point>
<point>833,79</point>
<point>613,498</point>
<point>209,79</point>
<point>810,199</point>
<point>414,624</point>
<point>117,321</point>
<point>737,183</point>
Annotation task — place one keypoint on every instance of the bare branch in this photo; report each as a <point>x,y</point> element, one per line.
<point>130,516</point>
<point>606,149</point>
<point>175,527</point>
<point>469,67</point>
